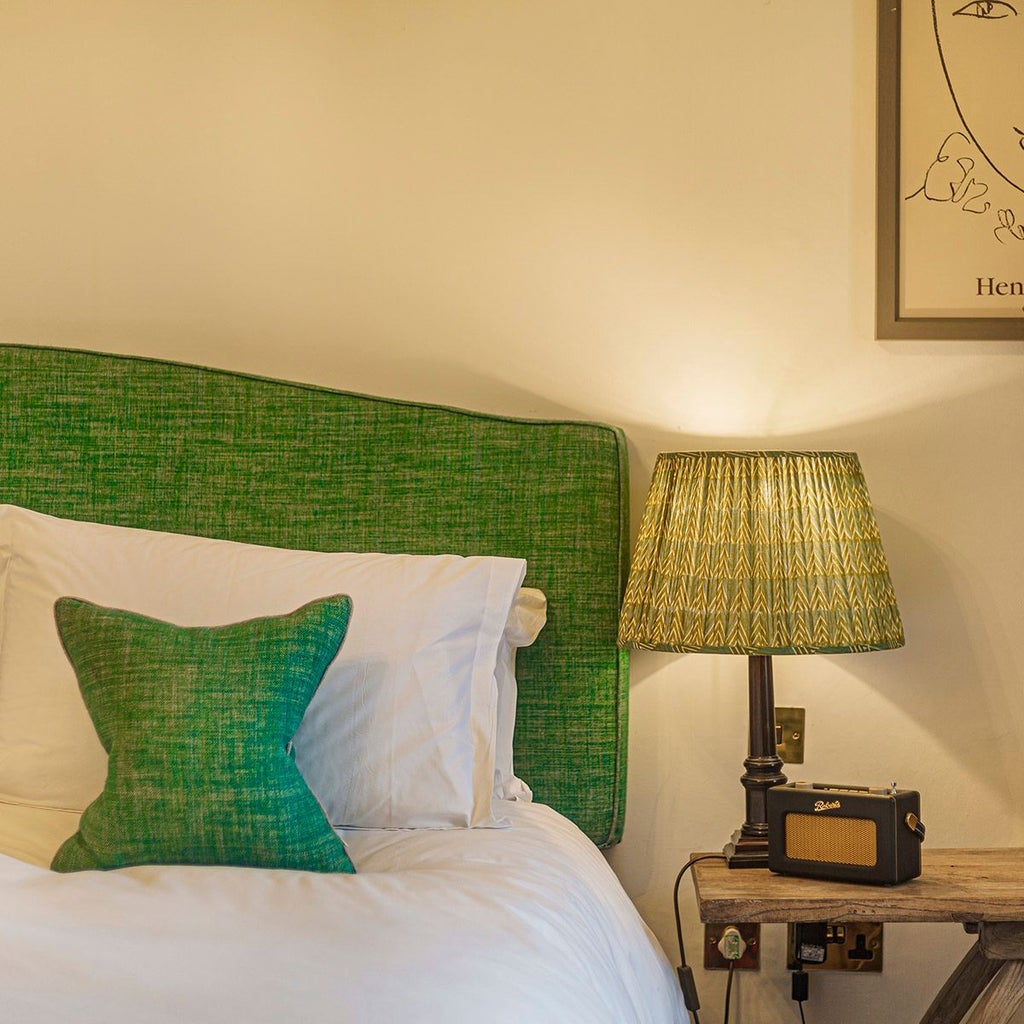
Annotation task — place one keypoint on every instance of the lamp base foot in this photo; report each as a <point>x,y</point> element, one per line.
<point>746,851</point>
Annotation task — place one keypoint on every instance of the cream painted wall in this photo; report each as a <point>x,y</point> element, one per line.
<point>655,213</point>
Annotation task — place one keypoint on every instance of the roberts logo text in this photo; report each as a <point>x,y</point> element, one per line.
<point>827,805</point>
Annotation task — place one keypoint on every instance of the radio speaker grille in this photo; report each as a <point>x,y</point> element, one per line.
<point>832,840</point>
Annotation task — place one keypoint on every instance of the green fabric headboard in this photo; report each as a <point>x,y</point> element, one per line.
<point>140,442</point>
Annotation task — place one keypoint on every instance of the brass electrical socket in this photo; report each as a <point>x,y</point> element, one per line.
<point>789,734</point>
<point>848,947</point>
<point>751,958</point>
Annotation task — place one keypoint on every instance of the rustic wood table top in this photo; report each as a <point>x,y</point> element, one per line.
<point>954,885</point>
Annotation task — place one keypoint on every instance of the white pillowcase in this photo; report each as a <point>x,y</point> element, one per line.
<point>401,732</point>
<point>525,621</point>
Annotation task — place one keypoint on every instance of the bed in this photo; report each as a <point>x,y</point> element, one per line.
<point>310,706</point>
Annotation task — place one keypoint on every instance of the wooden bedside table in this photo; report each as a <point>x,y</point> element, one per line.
<point>980,889</point>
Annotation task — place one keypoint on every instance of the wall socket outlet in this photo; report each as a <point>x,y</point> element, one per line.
<point>751,958</point>
<point>847,947</point>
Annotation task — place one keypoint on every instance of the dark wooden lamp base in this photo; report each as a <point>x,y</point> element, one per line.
<point>749,845</point>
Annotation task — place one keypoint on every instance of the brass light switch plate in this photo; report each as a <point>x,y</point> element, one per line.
<point>789,734</point>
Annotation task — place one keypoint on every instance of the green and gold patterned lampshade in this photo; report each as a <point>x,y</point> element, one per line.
<point>759,553</point>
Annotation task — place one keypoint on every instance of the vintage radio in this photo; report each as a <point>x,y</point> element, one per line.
<point>845,833</point>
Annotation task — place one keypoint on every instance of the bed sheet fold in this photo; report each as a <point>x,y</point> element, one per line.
<point>522,925</point>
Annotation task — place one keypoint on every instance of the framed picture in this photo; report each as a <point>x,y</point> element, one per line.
<point>950,169</point>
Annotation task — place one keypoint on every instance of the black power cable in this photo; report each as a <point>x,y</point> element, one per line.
<point>685,972</point>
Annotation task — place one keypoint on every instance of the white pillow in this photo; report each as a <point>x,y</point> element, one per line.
<point>525,621</point>
<point>401,732</point>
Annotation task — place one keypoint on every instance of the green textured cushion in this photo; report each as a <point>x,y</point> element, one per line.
<point>198,724</point>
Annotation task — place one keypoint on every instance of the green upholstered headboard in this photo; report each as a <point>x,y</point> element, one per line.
<point>166,446</point>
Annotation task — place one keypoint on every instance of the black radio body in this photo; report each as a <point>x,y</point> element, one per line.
<point>845,833</point>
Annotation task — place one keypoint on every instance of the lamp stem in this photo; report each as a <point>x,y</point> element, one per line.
<point>749,846</point>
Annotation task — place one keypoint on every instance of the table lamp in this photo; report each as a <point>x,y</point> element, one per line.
<point>759,553</point>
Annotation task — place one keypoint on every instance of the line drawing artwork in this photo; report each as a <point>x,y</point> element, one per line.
<point>950,170</point>
<point>981,47</point>
<point>961,135</point>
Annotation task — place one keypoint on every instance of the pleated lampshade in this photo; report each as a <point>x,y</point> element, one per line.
<point>759,553</point>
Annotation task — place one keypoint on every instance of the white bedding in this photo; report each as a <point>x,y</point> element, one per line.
<point>521,925</point>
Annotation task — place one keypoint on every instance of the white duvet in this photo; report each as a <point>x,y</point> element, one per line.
<point>520,925</point>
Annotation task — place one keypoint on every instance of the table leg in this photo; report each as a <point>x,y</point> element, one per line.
<point>963,987</point>
<point>1001,999</point>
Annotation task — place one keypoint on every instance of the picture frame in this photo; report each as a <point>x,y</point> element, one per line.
<point>950,184</point>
